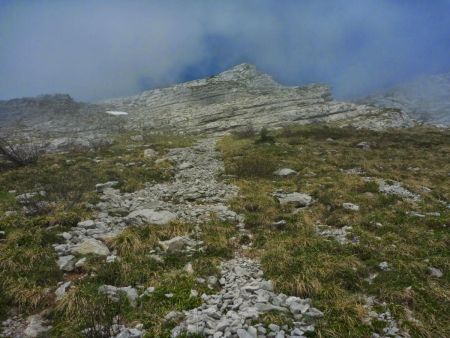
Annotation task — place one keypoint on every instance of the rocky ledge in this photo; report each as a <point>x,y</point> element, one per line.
<point>243,96</point>
<point>237,98</point>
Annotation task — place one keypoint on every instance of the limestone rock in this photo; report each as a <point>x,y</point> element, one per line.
<point>384,266</point>
<point>87,224</point>
<point>36,327</point>
<point>91,246</point>
<point>231,100</point>
<point>242,96</point>
<point>61,290</point>
<point>350,206</point>
<point>150,216</point>
<point>295,198</point>
<point>129,333</point>
<point>66,263</point>
<point>113,293</point>
<point>188,268</point>
<point>395,188</point>
<point>81,262</point>
<point>435,272</point>
<point>363,145</point>
<point>176,244</point>
<point>339,234</point>
<point>284,172</point>
<point>100,187</point>
<point>244,297</point>
<point>173,316</point>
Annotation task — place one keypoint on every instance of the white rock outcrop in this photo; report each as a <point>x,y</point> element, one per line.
<point>243,96</point>
<point>91,246</point>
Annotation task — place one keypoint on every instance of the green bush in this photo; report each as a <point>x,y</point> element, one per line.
<point>264,136</point>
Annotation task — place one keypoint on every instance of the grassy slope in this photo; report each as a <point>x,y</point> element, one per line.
<point>299,261</point>
<point>28,270</point>
<point>333,275</point>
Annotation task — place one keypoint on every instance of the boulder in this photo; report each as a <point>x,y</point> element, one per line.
<point>36,327</point>
<point>350,206</point>
<point>113,293</point>
<point>363,145</point>
<point>81,262</point>
<point>150,216</point>
<point>173,316</point>
<point>188,268</point>
<point>66,263</point>
<point>88,224</point>
<point>176,244</point>
<point>284,172</point>
<point>91,246</point>
<point>129,333</point>
<point>395,188</point>
<point>384,266</point>
<point>100,187</point>
<point>296,199</point>
<point>434,272</point>
<point>61,290</point>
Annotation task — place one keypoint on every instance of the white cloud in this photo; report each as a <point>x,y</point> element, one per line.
<point>99,49</point>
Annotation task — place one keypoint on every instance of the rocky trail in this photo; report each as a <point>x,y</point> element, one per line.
<point>194,195</point>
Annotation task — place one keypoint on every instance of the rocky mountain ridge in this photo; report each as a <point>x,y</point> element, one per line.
<point>242,96</point>
<point>236,98</point>
<point>426,99</point>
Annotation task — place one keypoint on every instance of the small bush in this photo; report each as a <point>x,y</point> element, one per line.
<point>247,131</point>
<point>265,137</point>
<point>21,153</point>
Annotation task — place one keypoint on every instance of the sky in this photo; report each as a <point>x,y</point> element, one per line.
<point>99,49</point>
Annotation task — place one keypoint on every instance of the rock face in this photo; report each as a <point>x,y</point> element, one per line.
<point>56,113</point>
<point>43,104</point>
<point>243,96</point>
<point>426,99</point>
<point>237,98</point>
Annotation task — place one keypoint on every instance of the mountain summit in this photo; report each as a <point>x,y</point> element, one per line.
<point>236,98</point>
<point>242,96</point>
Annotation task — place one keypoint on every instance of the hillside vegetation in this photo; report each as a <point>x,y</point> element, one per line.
<point>369,259</point>
<point>411,236</point>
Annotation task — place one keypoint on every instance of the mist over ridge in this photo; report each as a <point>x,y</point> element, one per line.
<point>96,50</point>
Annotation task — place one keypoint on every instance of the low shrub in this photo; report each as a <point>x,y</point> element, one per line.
<point>264,136</point>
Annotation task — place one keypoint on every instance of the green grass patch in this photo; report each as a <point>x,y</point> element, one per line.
<point>335,275</point>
